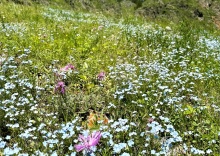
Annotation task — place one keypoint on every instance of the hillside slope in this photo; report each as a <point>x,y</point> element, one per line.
<point>207,11</point>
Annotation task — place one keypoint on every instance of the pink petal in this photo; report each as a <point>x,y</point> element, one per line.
<point>96,135</point>
<point>63,69</point>
<point>101,75</point>
<point>94,139</point>
<point>62,90</point>
<point>82,138</point>
<point>93,142</point>
<point>79,147</point>
<point>67,67</point>
<point>70,66</point>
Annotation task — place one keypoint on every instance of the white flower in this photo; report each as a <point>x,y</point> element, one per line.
<point>125,154</point>
<point>118,147</point>
<point>73,154</point>
<point>130,142</point>
<point>8,137</point>
<point>9,85</point>
<point>15,125</point>
<point>2,144</point>
<point>71,147</point>
<point>54,153</point>
<point>208,151</point>
<point>23,154</point>
<point>132,133</point>
<point>11,151</point>
<point>105,134</point>
<point>153,152</point>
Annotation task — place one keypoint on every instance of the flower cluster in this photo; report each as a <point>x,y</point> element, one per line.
<point>61,76</point>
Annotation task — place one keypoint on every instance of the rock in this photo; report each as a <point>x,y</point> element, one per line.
<point>198,13</point>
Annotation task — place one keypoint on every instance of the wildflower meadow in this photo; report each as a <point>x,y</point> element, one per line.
<point>86,83</point>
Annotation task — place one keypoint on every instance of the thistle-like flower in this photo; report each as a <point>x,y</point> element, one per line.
<point>67,68</point>
<point>87,142</point>
<point>101,76</point>
<point>60,87</point>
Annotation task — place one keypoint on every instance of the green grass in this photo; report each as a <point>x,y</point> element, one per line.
<point>160,87</point>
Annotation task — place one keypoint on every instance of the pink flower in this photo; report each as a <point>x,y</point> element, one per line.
<point>150,120</point>
<point>60,87</point>
<point>101,76</point>
<point>88,142</point>
<point>67,68</point>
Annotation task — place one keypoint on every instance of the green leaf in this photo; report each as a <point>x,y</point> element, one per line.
<point>189,110</point>
<point>83,77</point>
<point>85,65</point>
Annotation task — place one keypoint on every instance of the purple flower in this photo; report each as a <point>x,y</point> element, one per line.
<point>60,87</point>
<point>101,76</point>
<point>67,67</point>
<point>88,142</point>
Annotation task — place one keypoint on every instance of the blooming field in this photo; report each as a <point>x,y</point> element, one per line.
<point>74,83</point>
